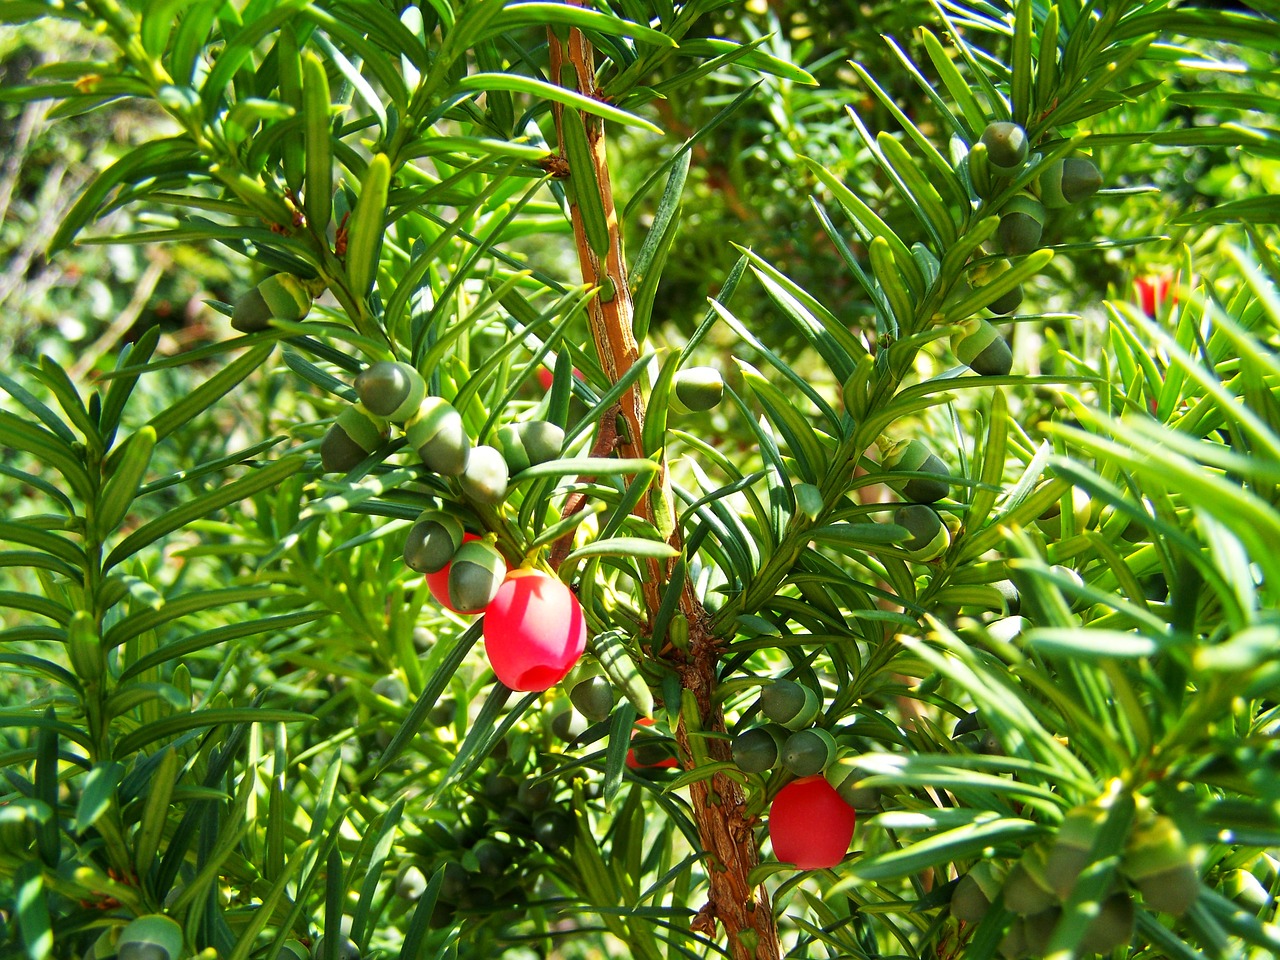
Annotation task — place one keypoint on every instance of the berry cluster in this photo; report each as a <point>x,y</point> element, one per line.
<point>1156,865</point>
<point>811,819</point>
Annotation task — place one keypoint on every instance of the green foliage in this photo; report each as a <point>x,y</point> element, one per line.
<point>229,700</point>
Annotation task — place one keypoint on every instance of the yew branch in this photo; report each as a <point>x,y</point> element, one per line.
<point>718,803</point>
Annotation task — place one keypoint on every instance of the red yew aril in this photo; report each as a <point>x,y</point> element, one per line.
<point>438,582</point>
<point>810,825</point>
<point>534,630</point>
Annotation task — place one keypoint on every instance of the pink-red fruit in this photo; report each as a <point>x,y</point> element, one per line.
<point>534,630</point>
<point>810,825</point>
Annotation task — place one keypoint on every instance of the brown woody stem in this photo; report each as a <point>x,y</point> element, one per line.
<point>718,804</point>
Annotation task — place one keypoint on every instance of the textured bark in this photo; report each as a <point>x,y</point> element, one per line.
<point>718,804</point>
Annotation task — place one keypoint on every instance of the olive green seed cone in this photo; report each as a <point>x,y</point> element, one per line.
<point>1006,303</point>
<point>1070,851</point>
<point>593,698</point>
<point>1171,891</point>
<point>929,535</point>
<point>281,296</point>
<point>1026,889</point>
<point>808,752</point>
<point>1068,181</point>
<point>1038,928</point>
<point>151,937</point>
<point>432,541</point>
<point>1112,927</point>
<point>968,902</point>
<point>697,389</point>
<point>791,704</point>
<point>759,748</point>
<point>1013,945</point>
<point>391,389</point>
<point>915,457</point>
<point>542,440</point>
<point>251,312</point>
<point>1157,860</point>
<point>1007,146</point>
<point>353,436</point>
<point>1021,225</point>
<point>475,575</point>
<point>844,775</point>
<point>484,479</point>
<point>437,433</point>
<point>512,447</point>
<point>980,347</point>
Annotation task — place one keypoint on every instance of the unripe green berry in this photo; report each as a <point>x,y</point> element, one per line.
<point>759,748</point>
<point>1007,146</point>
<point>475,575</point>
<point>392,687</point>
<point>968,901</point>
<point>914,456</point>
<point>593,698</point>
<point>929,535</point>
<point>484,479</point>
<point>553,828</point>
<point>437,434</point>
<point>151,937</point>
<point>1068,181</point>
<point>696,389</point>
<point>1026,889</point>
<point>294,950</point>
<point>808,752</point>
<point>279,297</point>
<point>1158,862</point>
<point>1112,927</point>
<point>568,725</point>
<point>844,775</point>
<point>432,541</point>
<point>534,794</point>
<point>979,346</point>
<point>528,444</point>
<point>791,704</point>
<point>492,857</point>
<point>391,389</point>
<point>1021,225</point>
<point>442,712</point>
<point>354,435</point>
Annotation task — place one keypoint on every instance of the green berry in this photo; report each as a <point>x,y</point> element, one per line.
<point>442,712</point>
<point>914,456</point>
<point>789,703</point>
<point>929,535</point>
<point>1007,146</point>
<point>697,389</point>
<point>553,828</point>
<point>474,576</point>
<point>438,436</point>
<point>1112,927</point>
<point>979,346</point>
<point>593,698</point>
<point>279,297</point>
<point>1068,181</point>
<point>150,937</point>
<point>1021,225</point>
<point>392,687</point>
<point>391,389</point>
<point>1157,860</point>
<point>759,748</point>
<point>808,752</point>
<point>354,435</point>
<point>844,775</point>
<point>432,541</point>
<point>484,479</point>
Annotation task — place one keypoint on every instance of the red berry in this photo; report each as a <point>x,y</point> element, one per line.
<point>810,825</point>
<point>635,763</point>
<point>438,582</point>
<point>534,630</point>
<point>545,377</point>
